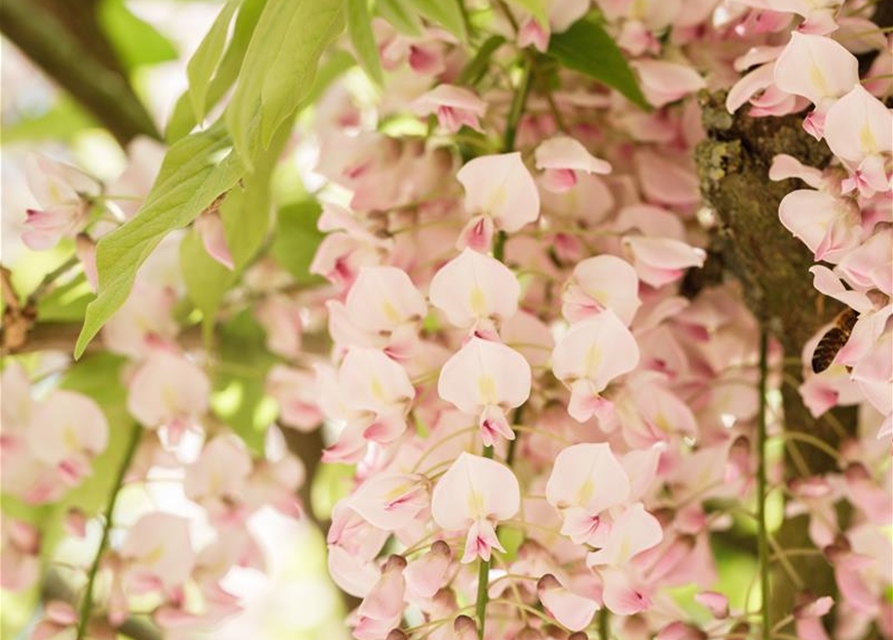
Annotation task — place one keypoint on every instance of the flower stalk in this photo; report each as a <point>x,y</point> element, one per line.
<point>762,532</point>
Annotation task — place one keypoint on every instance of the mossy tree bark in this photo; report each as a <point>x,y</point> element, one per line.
<point>773,266</point>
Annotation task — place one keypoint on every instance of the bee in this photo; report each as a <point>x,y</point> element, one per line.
<point>833,340</point>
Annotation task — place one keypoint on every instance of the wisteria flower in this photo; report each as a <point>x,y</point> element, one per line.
<point>485,379</point>
<point>500,194</point>
<point>475,494</point>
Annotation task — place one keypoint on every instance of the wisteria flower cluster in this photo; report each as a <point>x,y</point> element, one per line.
<point>550,432</point>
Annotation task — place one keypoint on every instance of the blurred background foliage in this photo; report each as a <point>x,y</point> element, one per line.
<point>135,53</point>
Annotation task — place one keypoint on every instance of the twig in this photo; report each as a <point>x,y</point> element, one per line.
<point>87,604</point>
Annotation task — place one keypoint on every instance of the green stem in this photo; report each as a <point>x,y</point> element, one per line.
<point>87,604</point>
<point>519,100</point>
<point>604,627</point>
<point>48,280</point>
<point>762,532</point>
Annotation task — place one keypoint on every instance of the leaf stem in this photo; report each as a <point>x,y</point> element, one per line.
<point>604,628</point>
<point>87,604</point>
<point>762,532</point>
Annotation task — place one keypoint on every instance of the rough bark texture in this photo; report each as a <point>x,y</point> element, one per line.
<point>733,164</point>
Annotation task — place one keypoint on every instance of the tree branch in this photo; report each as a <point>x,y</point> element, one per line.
<point>88,72</point>
<point>773,266</point>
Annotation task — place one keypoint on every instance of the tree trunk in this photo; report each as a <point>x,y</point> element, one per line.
<point>773,266</point>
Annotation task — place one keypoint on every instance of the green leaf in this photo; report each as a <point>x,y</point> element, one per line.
<point>195,171</point>
<point>135,41</point>
<point>401,16</point>
<point>331,483</point>
<point>279,68</point>
<point>537,8</point>
<point>586,47</point>
<point>183,119</point>
<point>359,26</point>
<point>240,379</point>
<point>475,70</point>
<point>203,64</point>
<point>511,539</point>
<point>206,279</point>
<point>67,302</point>
<point>297,240</point>
<point>446,13</point>
<point>246,220</point>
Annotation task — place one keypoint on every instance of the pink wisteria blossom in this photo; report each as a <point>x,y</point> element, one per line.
<point>492,331</point>
<point>588,357</point>
<point>500,195</point>
<point>474,495</point>
<point>485,379</point>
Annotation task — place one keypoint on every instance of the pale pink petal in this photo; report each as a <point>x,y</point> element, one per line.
<point>427,574</point>
<point>871,264</point>
<point>477,234</point>
<point>355,575</point>
<point>659,261</point>
<point>221,470</point>
<point>573,611</point>
<point>859,125</point>
<point>454,107</point>
<point>641,467</point>
<point>167,388</point>
<point>474,287</point>
<point>390,502</point>
<point>484,373</point>
<point>602,282</point>
<point>474,489</point>
<point>750,85</point>
<point>158,547</point>
<point>566,153</point>
<point>680,631</point>
<point>821,222</point>
<point>826,282</point>
<point>785,166</point>
<point>500,186</point>
<point>598,350</point>
<point>532,33</point>
<point>382,298</point>
<point>370,381</point>
<point>667,180</point>
<point>67,426</point>
<point>664,82</point>
<point>385,600</point>
<point>634,531</point>
<point>587,476</point>
<point>623,595</point>
<point>210,228</point>
<point>716,603</point>
<point>480,541</point>
<point>817,68</point>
